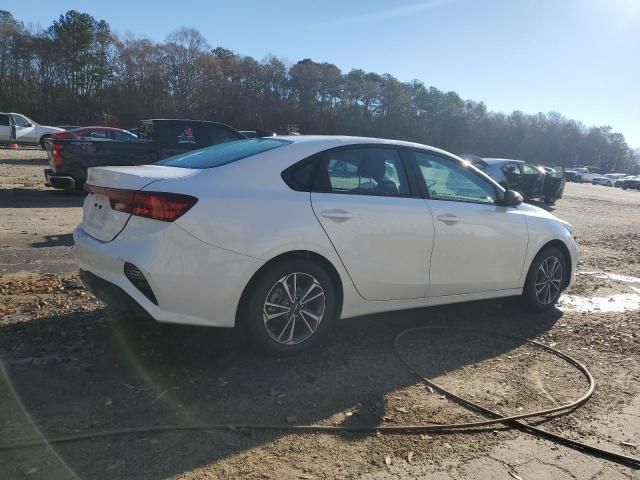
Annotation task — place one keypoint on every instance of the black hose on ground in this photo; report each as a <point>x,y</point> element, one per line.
<point>477,426</point>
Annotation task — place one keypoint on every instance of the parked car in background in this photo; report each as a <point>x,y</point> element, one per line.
<point>608,179</point>
<point>630,183</point>
<point>570,175</point>
<point>19,129</point>
<point>99,132</point>
<point>530,181</point>
<point>585,174</point>
<point>283,236</point>
<point>618,182</point>
<point>72,153</point>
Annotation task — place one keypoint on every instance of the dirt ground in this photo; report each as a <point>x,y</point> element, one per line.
<point>68,367</point>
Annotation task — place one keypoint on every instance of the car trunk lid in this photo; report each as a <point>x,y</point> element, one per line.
<point>101,216</point>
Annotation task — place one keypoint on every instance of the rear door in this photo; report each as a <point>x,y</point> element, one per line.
<point>532,179</point>
<point>479,246</point>
<point>382,234</point>
<point>5,127</point>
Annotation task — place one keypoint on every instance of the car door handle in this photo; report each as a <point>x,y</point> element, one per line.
<point>448,219</point>
<point>337,214</point>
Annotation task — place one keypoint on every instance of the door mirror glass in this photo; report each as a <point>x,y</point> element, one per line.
<point>511,198</point>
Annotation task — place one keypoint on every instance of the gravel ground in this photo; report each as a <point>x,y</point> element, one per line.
<point>69,366</point>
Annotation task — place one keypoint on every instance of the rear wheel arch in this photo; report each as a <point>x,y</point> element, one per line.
<point>320,260</point>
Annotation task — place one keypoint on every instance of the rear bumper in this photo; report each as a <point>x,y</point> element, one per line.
<point>194,283</point>
<point>63,182</point>
<point>110,294</point>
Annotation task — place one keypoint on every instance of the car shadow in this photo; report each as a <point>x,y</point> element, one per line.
<point>62,240</point>
<point>36,198</point>
<point>83,372</point>
<point>31,162</point>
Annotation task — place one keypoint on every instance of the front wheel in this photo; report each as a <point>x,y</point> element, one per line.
<point>291,308</point>
<point>546,280</point>
<point>43,140</point>
<point>550,200</point>
<point>609,184</point>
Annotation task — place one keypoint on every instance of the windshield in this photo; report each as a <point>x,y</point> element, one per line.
<point>223,153</point>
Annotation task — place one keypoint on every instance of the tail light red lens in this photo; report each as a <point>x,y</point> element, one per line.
<point>63,136</point>
<point>56,155</point>
<point>163,206</point>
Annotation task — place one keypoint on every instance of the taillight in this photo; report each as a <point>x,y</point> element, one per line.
<point>56,155</point>
<point>63,136</point>
<point>163,206</point>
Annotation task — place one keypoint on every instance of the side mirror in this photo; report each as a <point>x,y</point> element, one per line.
<point>511,198</point>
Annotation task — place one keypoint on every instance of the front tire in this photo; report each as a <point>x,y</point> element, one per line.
<point>546,280</point>
<point>43,140</point>
<point>291,307</point>
<point>550,200</point>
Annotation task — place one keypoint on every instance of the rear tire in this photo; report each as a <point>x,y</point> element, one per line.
<point>546,280</point>
<point>550,200</point>
<point>291,307</point>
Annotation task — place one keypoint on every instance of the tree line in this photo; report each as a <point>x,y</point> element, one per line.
<point>77,71</point>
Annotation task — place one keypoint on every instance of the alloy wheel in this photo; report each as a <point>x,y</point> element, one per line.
<point>549,280</point>
<point>294,308</point>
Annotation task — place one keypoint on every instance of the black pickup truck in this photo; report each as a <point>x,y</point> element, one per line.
<point>69,159</point>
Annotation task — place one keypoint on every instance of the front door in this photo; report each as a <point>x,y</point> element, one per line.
<point>479,246</point>
<point>25,130</point>
<point>381,233</point>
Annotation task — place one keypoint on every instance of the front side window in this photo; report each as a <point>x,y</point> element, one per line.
<point>529,169</point>
<point>97,134</point>
<point>20,121</point>
<point>122,137</point>
<point>449,180</point>
<point>362,171</point>
<point>222,135</point>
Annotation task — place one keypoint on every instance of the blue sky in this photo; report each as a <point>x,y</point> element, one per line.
<point>578,57</point>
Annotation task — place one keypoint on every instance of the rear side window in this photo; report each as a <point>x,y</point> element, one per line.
<point>223,153</point>
<point>4,120</point>
<point>362,171</point>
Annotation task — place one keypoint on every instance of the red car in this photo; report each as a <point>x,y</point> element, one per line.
<point>96,133</point>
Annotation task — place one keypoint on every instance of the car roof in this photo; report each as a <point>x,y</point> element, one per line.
<point>329,141</point>
<point>501,160</point>
<point>94,127</point>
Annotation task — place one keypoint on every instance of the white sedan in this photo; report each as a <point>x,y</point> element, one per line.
<point>608,180</point>
<point>285,235</point>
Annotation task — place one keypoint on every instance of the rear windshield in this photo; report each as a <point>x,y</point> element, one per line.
<point>223,153</point>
